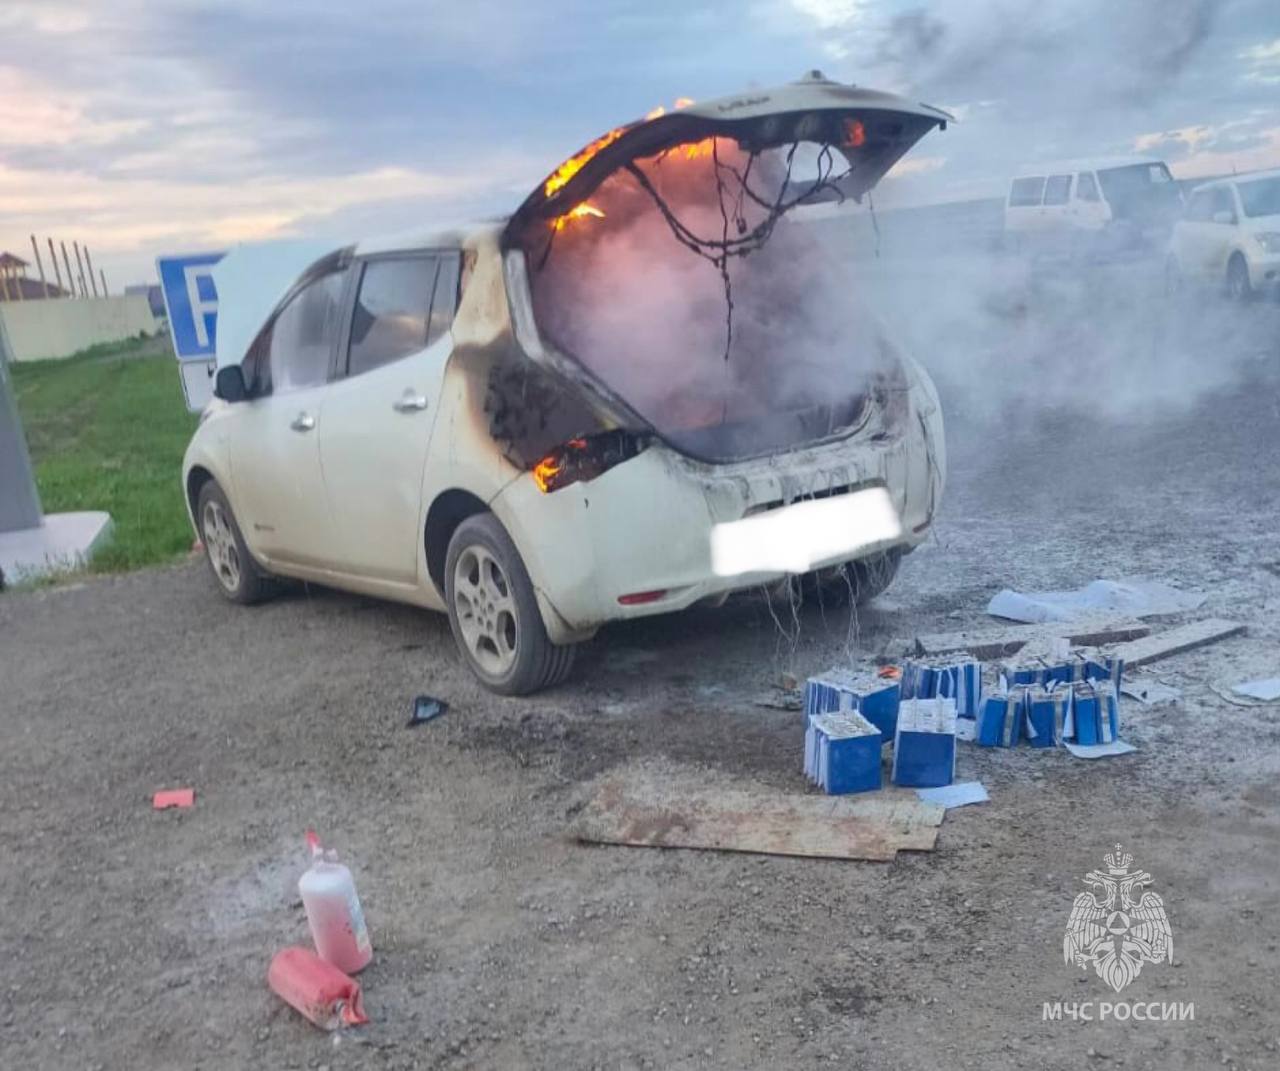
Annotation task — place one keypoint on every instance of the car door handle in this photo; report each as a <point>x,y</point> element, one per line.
<point>410,402</point>
<point>303,422</point>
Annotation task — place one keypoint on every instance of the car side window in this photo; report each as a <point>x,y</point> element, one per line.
<point>392,313</point>
<point>1057,189</point>
<point>1224,202</point>
<point>445,302</point>
<point>1025,192</point>
<point>1086,187</point>
<point>301,339</point>
<point>1199,208</point>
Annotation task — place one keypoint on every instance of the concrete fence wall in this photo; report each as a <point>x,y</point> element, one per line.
<point>40,330</point>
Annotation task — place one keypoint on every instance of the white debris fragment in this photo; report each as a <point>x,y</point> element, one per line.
<point>1266,689</point>
<point>1100,751</point>
<point>1150,693</point>
<point>1131,596</point>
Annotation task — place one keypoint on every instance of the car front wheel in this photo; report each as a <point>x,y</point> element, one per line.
<point>229,561</point>
<point>494,613</point>
<point>1239,288</point>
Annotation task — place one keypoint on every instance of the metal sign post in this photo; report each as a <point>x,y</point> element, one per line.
<point>19,502</point>
<point>191,305</point>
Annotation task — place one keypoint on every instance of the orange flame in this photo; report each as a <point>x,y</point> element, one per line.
<point>657,113</point>
<point>546,470</point>
<point>684,102</point>
<point>574,164</point>
<point>581,211</point>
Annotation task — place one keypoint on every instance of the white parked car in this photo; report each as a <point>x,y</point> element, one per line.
<point>540,425</point>
<point>1229,236</point>
<point>1102,205</point>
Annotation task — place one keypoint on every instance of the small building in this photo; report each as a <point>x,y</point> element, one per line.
<point>16,286</point>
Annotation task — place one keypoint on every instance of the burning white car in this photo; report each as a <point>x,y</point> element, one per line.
<point>649,386</point>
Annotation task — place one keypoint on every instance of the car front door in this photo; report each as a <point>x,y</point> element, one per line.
<point>379,414</point>
<point>275,453</point>
<point>1223,225</point>
<point>1090,210</point>
<point>1191,237</point>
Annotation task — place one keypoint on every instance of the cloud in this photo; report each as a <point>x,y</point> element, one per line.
<point>1263,61</point>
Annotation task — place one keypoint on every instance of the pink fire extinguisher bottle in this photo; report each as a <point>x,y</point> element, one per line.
<point>333,910</point>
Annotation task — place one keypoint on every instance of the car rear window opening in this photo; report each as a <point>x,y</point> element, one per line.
<point>734,329</point>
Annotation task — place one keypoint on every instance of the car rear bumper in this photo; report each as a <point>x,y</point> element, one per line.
<point>598,551</point>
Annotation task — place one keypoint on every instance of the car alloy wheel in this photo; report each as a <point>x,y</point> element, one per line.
<point>1239,288</point>
<point>486,609</point>
<point>220,545</point>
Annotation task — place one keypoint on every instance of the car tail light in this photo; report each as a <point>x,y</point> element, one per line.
<point>585,458</point>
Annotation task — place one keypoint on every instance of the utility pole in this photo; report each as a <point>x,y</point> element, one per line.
<point>89,262</point>
<point>57,274</point>
<point>71,279</point>
<point>84,291</point>
<point>35,248</point>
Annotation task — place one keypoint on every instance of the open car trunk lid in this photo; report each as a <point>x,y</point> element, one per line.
<point>632,306</point>
<point>871,128</point>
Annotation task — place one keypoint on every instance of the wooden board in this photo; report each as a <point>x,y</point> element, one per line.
<point>645,807</point>
<point>1175,640</point>
<point>999,643</point>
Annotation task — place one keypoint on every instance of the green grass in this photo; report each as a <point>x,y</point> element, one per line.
<point>107,429</point>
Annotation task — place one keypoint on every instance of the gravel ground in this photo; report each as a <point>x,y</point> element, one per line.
<point>136,939</point>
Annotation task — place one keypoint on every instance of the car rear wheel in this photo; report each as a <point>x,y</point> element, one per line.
<point>494,613</point>
<point>1239,288</point>
<point>233,569</point>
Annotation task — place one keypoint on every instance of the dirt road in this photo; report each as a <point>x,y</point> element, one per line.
<point>135,939</point>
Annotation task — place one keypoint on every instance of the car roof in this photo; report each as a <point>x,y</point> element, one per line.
<point>1230,180</point>
<point>1091,163</point>
<point>452,236</point>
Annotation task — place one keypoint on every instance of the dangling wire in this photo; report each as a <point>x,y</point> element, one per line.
<point>747,239</point>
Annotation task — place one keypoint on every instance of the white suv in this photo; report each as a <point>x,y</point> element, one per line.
<point>1230,236</point>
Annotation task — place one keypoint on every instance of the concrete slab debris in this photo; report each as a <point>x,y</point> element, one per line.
<point>680,807</point>
<point>63,541</point>
<point>1176,640</point>
<point>999,643</point>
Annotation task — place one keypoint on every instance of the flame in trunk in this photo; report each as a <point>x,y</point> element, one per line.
<point>582,211</point>
<point>575,163</point>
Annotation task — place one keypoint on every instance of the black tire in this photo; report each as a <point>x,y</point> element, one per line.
<point>862,580</point>
<point>494,613</point>
<point>1239,286</point>
<point>234,571</point>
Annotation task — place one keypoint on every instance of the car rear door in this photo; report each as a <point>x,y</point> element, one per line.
<point>279,494</point>
<point>380,412</point>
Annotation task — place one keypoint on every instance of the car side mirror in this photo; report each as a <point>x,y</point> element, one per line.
<point>229,385</point>
<point>1224,217</point>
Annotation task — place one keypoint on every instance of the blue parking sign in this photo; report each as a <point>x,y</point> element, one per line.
<point>191,302</point>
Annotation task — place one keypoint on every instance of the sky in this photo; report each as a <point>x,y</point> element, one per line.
<point>140,127</point>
